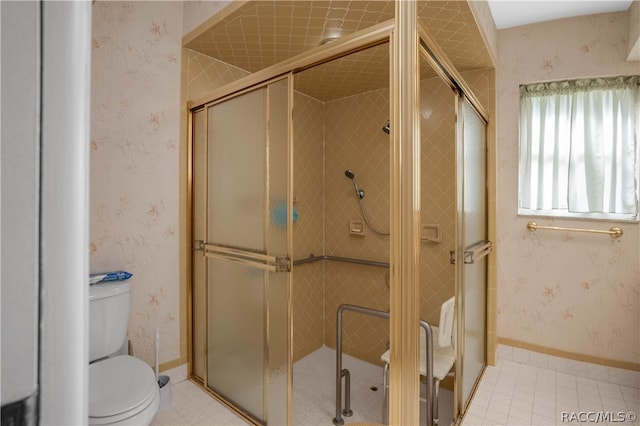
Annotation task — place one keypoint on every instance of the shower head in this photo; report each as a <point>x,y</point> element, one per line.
<point>359,192</point>
<point>387,128</point>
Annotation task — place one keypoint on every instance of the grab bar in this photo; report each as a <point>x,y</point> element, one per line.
<point>337,420</point>
<point>614,232</point>
<point>313,258</point>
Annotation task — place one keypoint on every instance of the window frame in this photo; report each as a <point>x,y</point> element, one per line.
<point>565,213</point>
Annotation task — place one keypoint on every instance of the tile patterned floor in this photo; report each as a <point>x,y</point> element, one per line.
<point>511,393</point>
<point>518,394</point>
<point>190,405</point>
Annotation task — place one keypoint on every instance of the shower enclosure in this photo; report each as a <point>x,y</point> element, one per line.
<point>299,204</point>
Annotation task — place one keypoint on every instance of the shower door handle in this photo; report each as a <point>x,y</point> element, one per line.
<point>198,245</point>
<point>473,253</point>
<point>477,251</point>
<point>248,258</point>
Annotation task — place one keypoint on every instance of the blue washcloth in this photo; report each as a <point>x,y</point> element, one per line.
<point>109,276</point>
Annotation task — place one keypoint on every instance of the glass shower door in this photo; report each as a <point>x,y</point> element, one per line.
<point>246,250</point>
<point>472,213</point>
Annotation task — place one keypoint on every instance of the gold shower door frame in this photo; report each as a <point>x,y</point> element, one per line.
<point>471,273</point>
<point>407,41</point>
<point>276,369</point>
<point>465,102</point>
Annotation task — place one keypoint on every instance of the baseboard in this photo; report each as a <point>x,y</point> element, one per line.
<point>621,373</point>
<point>176,371</point>
<point>569,355</point>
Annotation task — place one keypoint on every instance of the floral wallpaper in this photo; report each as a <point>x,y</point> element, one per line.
<point>198,11</point>
<point>135,122</point>
<point>572,292</point>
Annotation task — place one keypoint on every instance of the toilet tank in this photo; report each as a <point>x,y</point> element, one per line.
<point>109,308</point>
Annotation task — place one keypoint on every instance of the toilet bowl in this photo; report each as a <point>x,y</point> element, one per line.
<point>122,390</point>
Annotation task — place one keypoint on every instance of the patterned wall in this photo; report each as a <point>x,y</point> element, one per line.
<point>205,74</point>
<point>437,105</point>
<point>330,138</point>
<point>135,157</point>
<point>308,279</point>
<point>572,292</point>
<point>353,139</point>
<point>134,162</point>
<point>198,11</point>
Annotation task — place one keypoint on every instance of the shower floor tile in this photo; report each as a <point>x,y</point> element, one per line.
<point>314,389</point>
<point>314,386</point>
<point>313,396</point>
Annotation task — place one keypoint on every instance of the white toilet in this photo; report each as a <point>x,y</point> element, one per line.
<point>122,389</point>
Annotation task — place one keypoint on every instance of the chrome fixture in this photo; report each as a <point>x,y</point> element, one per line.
<point>350,175</point>
<point>387,128</point>
<point>360,193</point>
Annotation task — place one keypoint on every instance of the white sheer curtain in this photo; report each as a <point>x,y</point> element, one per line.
<point>578,146</point>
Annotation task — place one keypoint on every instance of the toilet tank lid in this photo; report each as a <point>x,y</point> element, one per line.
<point>108,289</point>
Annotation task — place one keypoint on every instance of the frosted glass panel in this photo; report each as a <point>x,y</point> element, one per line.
<point>474,231</point>
<point>278,173</point>
<point>277,243</point>
<point>475,206</point>
<point>249,209</point>
<point>237,171</point>
<point>237,334</point>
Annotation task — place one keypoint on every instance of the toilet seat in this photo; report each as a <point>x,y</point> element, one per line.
<point>122,390</point>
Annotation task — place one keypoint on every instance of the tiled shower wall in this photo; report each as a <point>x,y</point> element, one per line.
<point>438,195</point>
<point>354,140</point>
<point>205,74</point>
<point>308,288</point>
<point>330,138</point>
<point>346,134</point>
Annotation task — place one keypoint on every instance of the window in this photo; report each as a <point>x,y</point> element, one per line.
<point>579,148</point>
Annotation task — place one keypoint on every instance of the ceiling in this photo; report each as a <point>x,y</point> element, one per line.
<point>256,34</point>
<point>253,35</point>
<point>512,13</point>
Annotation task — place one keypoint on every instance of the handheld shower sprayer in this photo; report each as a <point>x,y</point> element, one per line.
<point>352,176</point>
<point>360,193</point>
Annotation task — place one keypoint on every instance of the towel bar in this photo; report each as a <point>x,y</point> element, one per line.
<point>614,232</point>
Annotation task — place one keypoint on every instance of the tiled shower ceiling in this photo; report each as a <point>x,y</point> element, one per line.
<point>262,33</point>
<point>253,35</point>
<point>357,73</point>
